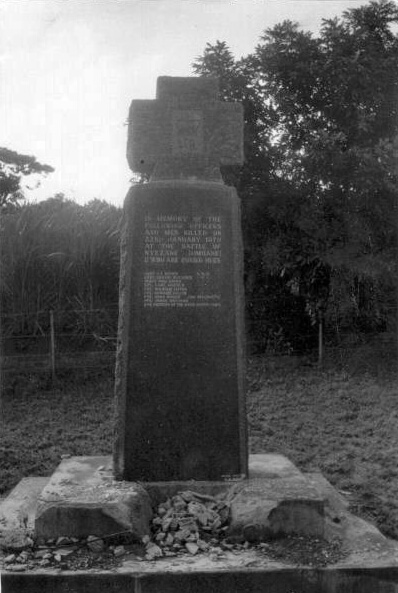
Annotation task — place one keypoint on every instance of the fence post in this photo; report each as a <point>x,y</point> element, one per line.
<point>52,346</point>
<point>320,341</point>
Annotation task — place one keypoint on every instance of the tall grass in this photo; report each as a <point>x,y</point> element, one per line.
<point>58,255</point>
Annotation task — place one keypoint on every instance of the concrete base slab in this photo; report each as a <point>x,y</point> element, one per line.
<point>276,499</point>
<point>232,574</point>
<point>261,466</point>
<point>369,565</point>
<point>362,541</point>
<point>18,511</point>
<point>81,499</point>
<point>264,509</point>
<point>270,466</point>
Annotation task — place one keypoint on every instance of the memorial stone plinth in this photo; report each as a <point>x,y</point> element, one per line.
<point>180,359</point>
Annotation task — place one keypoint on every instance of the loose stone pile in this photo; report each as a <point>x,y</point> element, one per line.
<point>189,522</point>
<point>64,553</point>
<point>186,524</point>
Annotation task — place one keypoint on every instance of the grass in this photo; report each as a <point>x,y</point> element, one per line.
<point>344,425</point>
<point>39,427</point>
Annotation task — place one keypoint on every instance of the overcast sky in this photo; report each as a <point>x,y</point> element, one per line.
<point>69,69</point>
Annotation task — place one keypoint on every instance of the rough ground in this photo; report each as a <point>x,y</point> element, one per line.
<point>341,423</point>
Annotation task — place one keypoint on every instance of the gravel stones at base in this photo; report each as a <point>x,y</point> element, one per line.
<point>192,523</point>
<point>95,544</point>
<point>119,551</point>
<point>304,551</point>
<point>66,554</point>
<point>187,522</point>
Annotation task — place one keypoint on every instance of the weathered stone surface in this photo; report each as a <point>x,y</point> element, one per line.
<point>95,544</point>
<point>17,511</point>
<point>263,509</point>
<point>180,376</point>
<point>179,371</point>
<point>17,514</point>
<point>119,551</point>
<point>16,567</point>
<point>186,133</point>
<point>271,465</point>
<point>369,564</point>
<point>79,500</point>
<point>278,499</point>
<point>261,465</point>
<point>360,537</point>
<point>15,540</point>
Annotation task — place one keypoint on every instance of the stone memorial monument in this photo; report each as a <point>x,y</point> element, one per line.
<point>180,408</point>
<point>180,359</point>
<point>180,401</point>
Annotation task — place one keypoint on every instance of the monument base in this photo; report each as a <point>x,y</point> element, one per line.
<point>369,562</point>
<point>82,498</point>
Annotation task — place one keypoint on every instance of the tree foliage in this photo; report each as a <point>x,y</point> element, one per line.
<point>13,168</point>
<point>319,186</point>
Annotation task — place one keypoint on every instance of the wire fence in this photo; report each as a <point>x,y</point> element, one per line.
<point>55,344</point>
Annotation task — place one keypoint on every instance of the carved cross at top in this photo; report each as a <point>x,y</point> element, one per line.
<point>186,133</point>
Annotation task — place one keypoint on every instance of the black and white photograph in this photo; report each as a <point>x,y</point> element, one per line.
<point>198,296</point>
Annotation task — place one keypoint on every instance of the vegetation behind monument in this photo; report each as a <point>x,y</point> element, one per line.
<point>319,186</point>
<point>319,221</point>
<point>318,189</point>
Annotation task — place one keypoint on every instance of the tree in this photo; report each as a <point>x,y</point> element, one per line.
<point>237,84</point>
<point>321,116</point>
<point>13,168</point>
<point>337,123</point>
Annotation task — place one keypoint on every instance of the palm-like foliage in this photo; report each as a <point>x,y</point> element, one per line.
<point>57,255</point>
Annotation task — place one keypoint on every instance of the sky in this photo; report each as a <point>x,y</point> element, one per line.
<point>70,68</point>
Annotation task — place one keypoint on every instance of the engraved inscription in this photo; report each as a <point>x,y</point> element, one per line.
<point>171,289</point>
<point>187,132</point>
<point>173,239</point>
<point>186,241</point>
